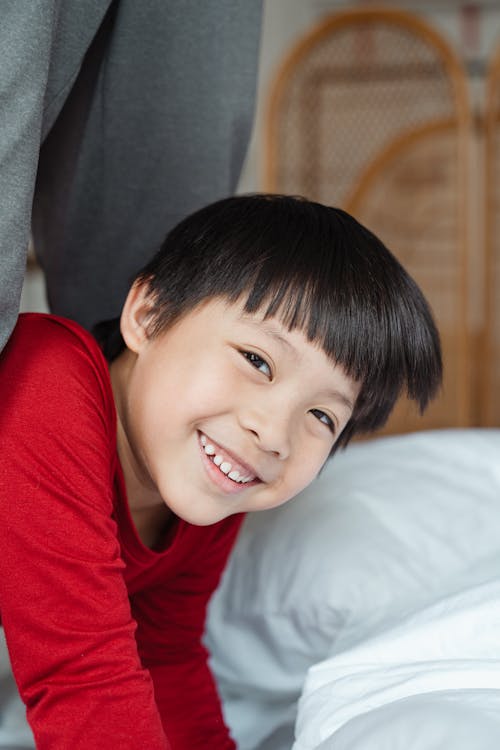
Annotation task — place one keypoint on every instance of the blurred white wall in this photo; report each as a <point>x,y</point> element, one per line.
<point>33,295</point>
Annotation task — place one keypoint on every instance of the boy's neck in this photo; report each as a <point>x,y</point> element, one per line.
<point>150,514</point>
<point>152,525</point>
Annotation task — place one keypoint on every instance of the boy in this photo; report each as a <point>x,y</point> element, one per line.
<point>267,331</point>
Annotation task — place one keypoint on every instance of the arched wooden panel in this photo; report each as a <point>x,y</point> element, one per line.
<point>370,112</point>
<point>490,350</point>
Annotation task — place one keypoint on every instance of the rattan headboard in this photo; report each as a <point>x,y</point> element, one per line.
<point>490,351</point>
<point>370,112</point>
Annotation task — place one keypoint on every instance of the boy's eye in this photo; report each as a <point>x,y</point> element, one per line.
<point>324,418</point>
<point>259,363</point>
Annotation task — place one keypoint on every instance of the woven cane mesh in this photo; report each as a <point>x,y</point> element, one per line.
<point>412,204</point>
<point>491,354</point>
<point>364,116</point>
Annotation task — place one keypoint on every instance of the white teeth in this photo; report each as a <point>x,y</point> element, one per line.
<point>223,465</point>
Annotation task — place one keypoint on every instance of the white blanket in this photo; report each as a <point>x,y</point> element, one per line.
<point>432,682</point>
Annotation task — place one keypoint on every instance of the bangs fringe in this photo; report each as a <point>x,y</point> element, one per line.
<point>380,347</point>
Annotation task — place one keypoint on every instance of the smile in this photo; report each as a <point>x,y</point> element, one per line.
<point>230,467</point>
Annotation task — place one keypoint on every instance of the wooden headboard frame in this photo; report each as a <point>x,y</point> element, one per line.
<point>461,413</point>
<point>490,345</point>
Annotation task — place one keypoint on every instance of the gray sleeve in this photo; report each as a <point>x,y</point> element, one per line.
<point>25,42</point>
<point>156,129</point>
<point>155,126</point>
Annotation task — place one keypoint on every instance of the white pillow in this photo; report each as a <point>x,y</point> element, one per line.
<point>390,526</point>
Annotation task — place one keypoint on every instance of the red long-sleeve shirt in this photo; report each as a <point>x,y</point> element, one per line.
<point>104,634</point>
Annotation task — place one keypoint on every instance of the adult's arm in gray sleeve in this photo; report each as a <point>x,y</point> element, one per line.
<point>25,43</point>
<point>42,45</point>
<point>156,126</point>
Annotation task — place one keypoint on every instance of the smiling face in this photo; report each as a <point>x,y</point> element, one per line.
<point>223,412</point>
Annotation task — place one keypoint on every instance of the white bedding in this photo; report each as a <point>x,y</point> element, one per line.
<point>15,733</point>
<point>391,528</point>
<point>431,682</point>
<point>452,720</point>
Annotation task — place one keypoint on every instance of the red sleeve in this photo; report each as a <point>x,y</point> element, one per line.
<point>171,623</point>
<point>63,600</point>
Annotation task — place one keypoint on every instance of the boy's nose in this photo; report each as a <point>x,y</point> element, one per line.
<point>271,430</point>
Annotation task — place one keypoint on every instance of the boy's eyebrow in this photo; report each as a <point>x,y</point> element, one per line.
<point>338,396</point>
<point>270,330</point>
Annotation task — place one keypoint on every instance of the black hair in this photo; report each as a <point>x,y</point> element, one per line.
<point>317,269</point>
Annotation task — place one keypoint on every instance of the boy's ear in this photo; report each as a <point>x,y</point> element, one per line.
<point>136,316</point>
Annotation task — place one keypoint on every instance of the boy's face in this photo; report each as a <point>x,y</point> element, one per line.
<point>224,412</point>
